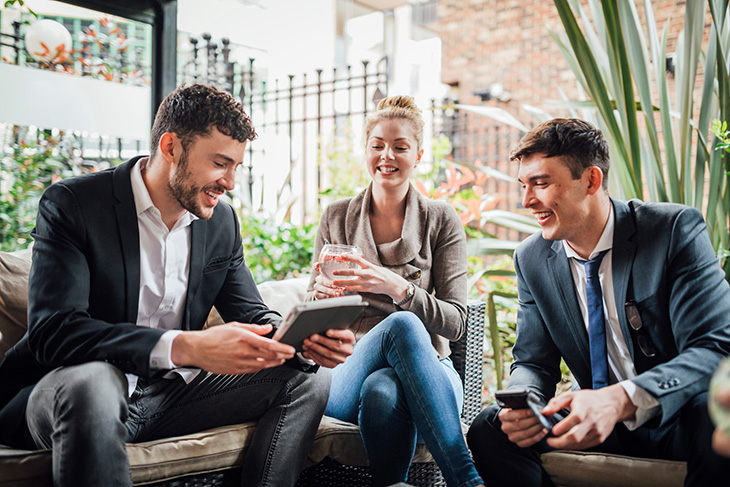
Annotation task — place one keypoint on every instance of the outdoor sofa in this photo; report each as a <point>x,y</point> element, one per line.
<point>337,458</point>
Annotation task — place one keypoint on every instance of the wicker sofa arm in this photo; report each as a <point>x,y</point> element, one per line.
<point>468,356</point>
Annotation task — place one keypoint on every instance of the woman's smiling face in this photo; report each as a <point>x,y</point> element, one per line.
<point>392,152</point>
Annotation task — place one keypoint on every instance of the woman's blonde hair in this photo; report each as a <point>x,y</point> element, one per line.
<point>395,107</point>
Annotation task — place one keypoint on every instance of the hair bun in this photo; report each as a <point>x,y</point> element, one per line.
<point>399,101</point>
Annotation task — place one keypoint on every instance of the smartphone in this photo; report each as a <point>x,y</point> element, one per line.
<point>528,399</point>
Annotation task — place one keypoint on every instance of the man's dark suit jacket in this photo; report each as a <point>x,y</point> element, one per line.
<point>83,289</point>
<point>664,261</point>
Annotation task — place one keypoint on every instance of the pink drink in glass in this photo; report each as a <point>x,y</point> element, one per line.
<point>331,259</point>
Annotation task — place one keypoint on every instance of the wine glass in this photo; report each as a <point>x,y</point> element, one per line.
<point>331,259</point>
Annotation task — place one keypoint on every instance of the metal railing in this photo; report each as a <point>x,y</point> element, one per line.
<point>303,109</point>
<point>101,55</point>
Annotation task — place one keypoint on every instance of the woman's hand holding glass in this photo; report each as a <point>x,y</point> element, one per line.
<point>369,278</point>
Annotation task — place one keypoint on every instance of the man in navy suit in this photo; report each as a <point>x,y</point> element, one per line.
<point>642,332</point>
<point>127,265</point>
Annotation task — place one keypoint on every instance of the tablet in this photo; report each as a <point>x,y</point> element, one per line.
<point>316,317</point>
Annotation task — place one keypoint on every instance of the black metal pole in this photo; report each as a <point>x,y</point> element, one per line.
<point>319,133</point>
<point>365,87</point>
<point>291,128</point>
<point>250,114</point>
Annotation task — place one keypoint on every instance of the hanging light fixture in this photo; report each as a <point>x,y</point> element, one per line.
<point>46,40</point>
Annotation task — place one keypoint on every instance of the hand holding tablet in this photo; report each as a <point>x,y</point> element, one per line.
<point>316,317</point>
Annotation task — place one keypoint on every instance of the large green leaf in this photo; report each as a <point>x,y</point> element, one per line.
<point>495,113</point>
<point>659,138</point>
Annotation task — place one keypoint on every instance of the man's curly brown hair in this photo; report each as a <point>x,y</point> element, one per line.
<point>192,111</point>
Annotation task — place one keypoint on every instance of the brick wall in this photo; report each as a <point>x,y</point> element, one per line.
<point>508,42</point>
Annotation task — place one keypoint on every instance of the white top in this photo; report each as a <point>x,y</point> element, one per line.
<point>164,263</point>
<point>620,365</point>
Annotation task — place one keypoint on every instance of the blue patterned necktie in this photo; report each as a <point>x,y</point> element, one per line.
<point>596,322</point>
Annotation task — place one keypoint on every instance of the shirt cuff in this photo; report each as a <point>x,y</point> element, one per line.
<point>647,405</point>
<point>161,355</point>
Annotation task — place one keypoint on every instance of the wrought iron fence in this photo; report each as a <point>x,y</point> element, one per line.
<point>299,111</point>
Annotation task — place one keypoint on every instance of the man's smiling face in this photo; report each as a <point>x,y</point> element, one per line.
<point>559,202</point>
<point>205,171</point>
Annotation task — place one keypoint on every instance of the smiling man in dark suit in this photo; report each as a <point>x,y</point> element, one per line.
<point>631,296</point>
<point>127,265</point>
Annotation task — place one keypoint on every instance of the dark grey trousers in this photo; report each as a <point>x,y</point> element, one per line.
<point>83,413</point>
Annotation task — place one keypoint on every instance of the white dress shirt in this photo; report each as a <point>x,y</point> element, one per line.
<point>620,365</point>
<point>163,279</point>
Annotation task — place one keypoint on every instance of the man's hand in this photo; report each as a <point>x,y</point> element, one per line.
<point>521,426</point>
<point>593,415</point>
<point>232,348</point>
<point>330,350</point>
<point>721,440</point>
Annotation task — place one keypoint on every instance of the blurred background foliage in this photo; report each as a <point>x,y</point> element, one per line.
<point>276,251</point>
<point>33,160</point>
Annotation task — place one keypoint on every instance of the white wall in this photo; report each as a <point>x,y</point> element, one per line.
<point>42,98</point>
<point>285,36</point>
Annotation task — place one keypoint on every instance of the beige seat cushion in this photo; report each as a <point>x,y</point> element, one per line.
<point>14,269</point>
<point>152,461</point>
<point>207,451</point>
<point>342,442</point>
<point>582,469</point>
<point>281,296</point>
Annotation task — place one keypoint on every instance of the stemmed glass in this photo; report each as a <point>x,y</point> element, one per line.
<point>331,259</point>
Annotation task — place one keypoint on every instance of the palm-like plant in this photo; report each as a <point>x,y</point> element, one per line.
<point>660,138</point>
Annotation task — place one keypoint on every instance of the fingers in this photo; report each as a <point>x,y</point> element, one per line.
<point>557,403</point>
<point>521,426</point>
<point>263,347</point>
<point>331,350</point>
<point>257,329</point>
<point>357,259</point>
<point>344,336</point>
<point>578,437</point>
<point>324,288</point>
<point>593,416</point>
<point>721,443</point>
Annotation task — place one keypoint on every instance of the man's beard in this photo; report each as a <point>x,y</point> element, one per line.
<point>185,192</point>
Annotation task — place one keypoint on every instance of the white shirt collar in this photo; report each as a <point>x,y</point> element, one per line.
<point>143,200</point>
<point>604,243</point>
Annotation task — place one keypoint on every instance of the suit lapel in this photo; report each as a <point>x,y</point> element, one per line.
<point>198,243</point>
<point>624,250</point>
<point>559,267</point>
<point>128,230</point>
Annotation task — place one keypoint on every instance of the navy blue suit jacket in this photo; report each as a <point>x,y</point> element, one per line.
<point>83,289</point>
<point>664,261</point>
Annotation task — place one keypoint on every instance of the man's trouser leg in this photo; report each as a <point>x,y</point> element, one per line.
<point>79,412</point>
<point>286,403</point>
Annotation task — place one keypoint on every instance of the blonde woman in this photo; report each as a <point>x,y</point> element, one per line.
<point>399,385</point>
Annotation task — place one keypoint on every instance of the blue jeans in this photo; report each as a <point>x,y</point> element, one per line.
<point>396,389</point>
<point>82,412</point>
